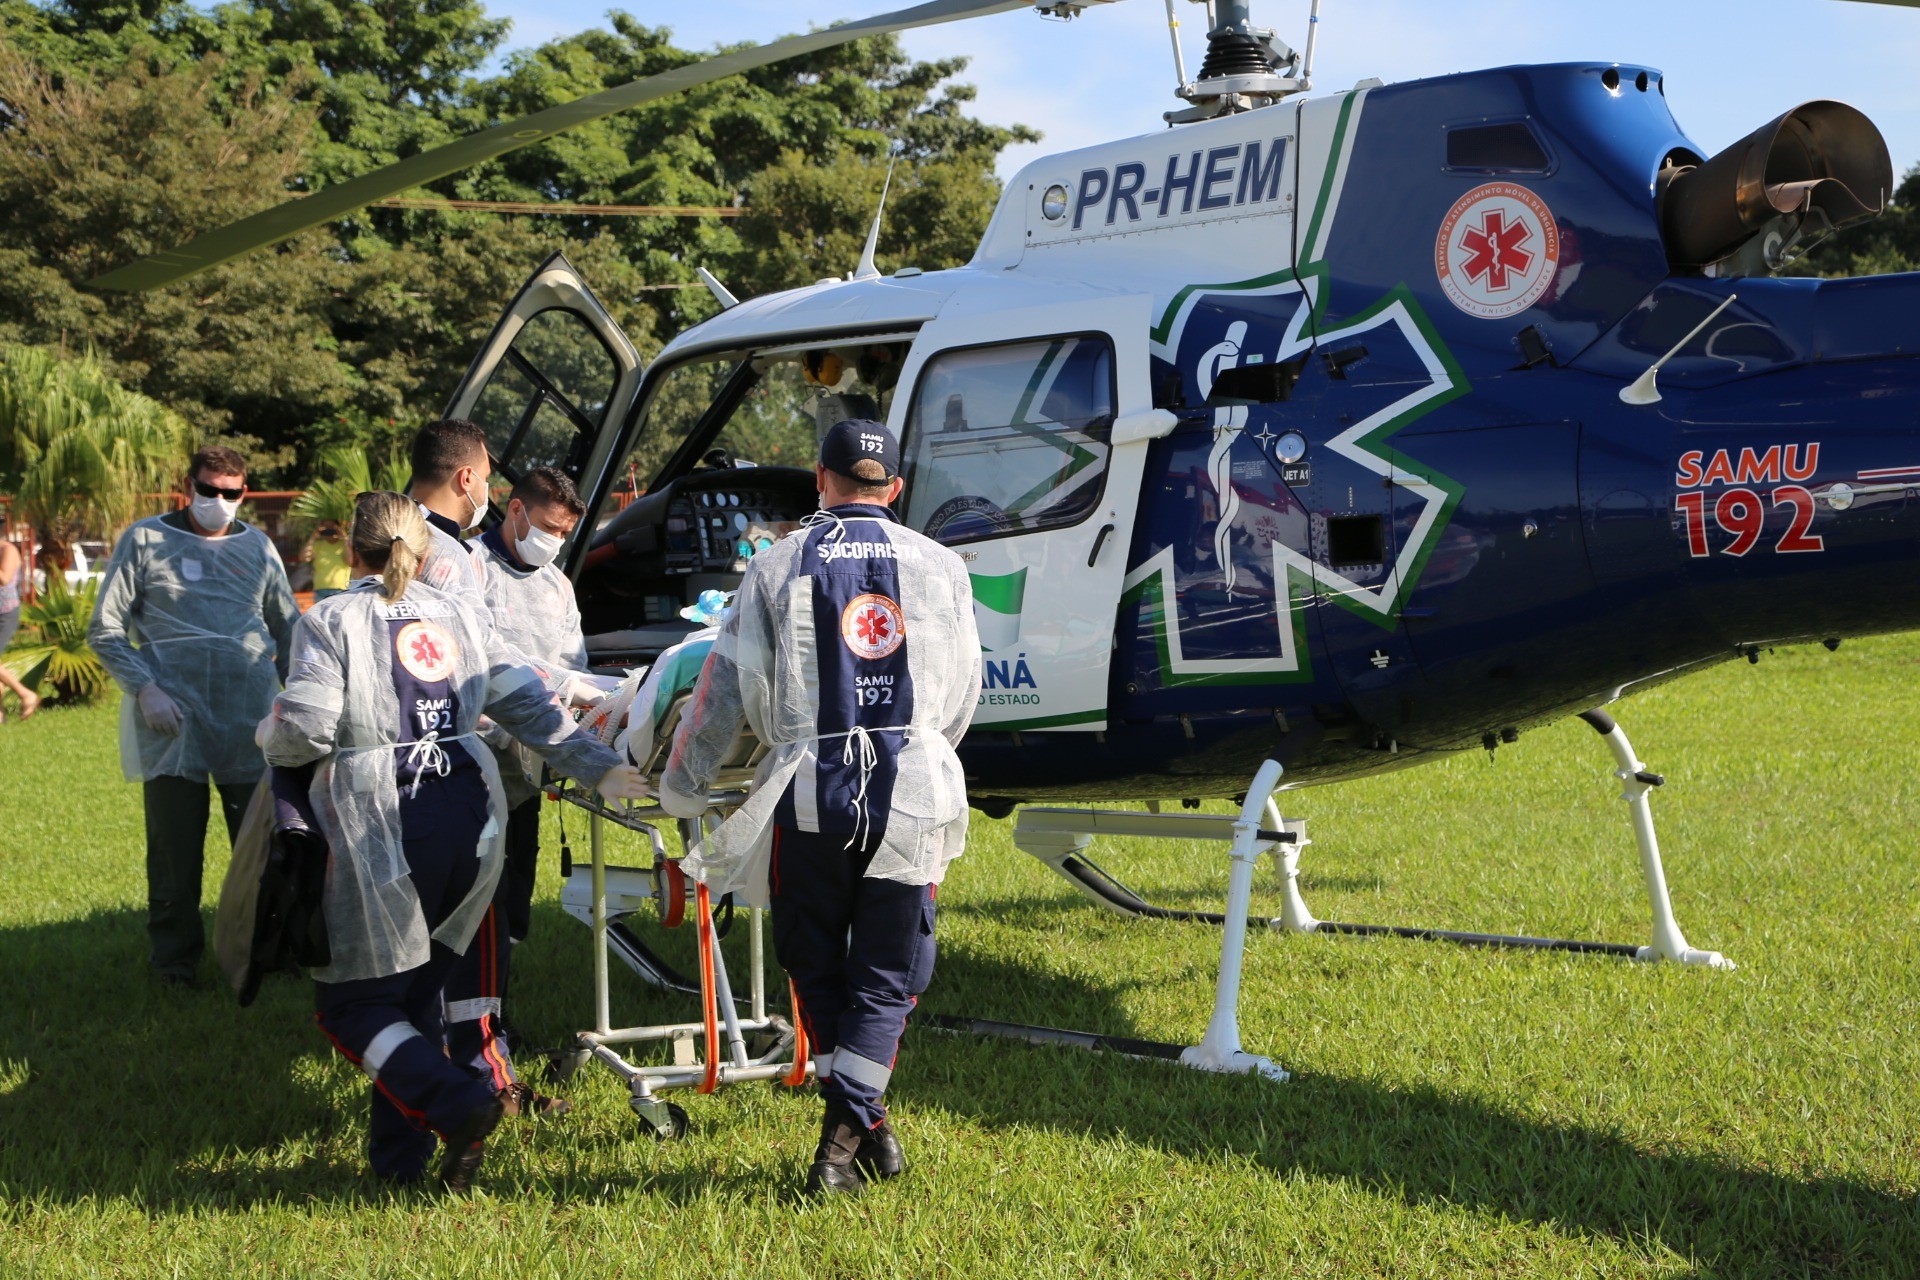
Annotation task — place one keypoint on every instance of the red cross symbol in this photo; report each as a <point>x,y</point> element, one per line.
<point>1493,249</point>
<point>871,626</point>
<point>426,652</point>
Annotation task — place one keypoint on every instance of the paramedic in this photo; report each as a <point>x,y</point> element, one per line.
<point>852,652</point>
<point>193,621</point>
<point>533,611</point>
<point>387,682</point>
<point>450,474</point>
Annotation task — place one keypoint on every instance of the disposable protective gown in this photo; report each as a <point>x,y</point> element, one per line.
<point>339,708</point>
<point>767,670</point>
<point>456,567</point>
<point>209,621</point>
<point>535,614</point>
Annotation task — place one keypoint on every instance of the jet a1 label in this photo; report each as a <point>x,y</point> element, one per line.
<point>1497,250</point>
<point>1731,492</point>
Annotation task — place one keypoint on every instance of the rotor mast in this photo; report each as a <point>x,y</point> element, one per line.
<point>1246,66</point>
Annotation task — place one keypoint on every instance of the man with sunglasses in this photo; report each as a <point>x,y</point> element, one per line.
<point>194,621</point>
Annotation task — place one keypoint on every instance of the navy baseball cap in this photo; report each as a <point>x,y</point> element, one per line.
<point>855,439</point>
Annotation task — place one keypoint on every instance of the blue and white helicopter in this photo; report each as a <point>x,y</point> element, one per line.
<point>1309,438</point>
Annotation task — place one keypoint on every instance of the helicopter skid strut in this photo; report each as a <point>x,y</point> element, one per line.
<point>1059,838</point>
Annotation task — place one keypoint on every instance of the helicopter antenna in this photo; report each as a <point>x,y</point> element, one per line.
<point>1246,66</point>
<point>721,294</point>
<point>1645,389</point>
<point>866,270</point>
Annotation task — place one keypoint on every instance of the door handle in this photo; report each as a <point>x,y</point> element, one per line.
<point>1099,541</point>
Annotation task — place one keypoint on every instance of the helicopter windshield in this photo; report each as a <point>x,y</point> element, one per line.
<point>767,409</point>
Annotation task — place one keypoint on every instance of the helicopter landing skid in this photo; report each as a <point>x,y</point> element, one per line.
<point>1059,838</point>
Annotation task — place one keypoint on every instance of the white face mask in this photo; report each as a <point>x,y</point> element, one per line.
<point>479,507</point>
<point>538,547</point>
<point>214,513</point>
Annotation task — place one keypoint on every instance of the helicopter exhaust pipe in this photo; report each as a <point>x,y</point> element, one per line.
<point>1767,198</point>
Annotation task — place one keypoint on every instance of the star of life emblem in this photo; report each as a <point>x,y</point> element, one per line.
<point>872,626</point>
<point>426,651</point>
<point>1497,250</point>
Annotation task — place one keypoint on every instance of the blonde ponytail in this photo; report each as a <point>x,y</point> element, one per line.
<point>390,535</point>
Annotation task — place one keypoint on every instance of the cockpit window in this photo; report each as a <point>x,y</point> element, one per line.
<point>1510,147</point>
<point>765,409</point>
<point>1007,439</point>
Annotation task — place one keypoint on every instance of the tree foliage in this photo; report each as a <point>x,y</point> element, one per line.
<point>77,449</point>
<point>1889,243</point>
<point>127,126</point>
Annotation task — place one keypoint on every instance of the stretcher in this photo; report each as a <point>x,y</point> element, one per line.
<point>735,1039</point>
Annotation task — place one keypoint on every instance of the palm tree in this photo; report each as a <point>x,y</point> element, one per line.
<point>77,449</point>
<point>348,472</point>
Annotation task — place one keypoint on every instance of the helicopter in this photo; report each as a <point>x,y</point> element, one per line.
<point>1308,438</point>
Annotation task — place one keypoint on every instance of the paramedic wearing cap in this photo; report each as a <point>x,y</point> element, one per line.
<point>193,621</point>
<point>533,610</point>
<point>387,684</point>
<point>852,653</point>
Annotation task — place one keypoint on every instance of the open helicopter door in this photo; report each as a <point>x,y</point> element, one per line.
<point>551,379</point>
<point>1025,435</point>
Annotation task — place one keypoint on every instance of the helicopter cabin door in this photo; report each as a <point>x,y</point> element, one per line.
<point>1024,435</point>
<point>553,381</point>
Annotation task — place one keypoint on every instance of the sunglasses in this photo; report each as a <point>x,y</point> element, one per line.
<point>206,490</point>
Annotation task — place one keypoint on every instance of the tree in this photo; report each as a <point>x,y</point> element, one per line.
<point>98,169</point>
<point>128,126</point>
<point>77,449</point>
<point>1889,243</point>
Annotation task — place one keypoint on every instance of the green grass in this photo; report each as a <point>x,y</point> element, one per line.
<point>1453,1112</point>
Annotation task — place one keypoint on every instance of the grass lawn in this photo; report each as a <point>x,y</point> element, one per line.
<point>1453,1112</point>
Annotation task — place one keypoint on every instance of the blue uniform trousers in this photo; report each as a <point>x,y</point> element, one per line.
<point>477,987</point>
<point>858,951</point>
<point>391,1027</point>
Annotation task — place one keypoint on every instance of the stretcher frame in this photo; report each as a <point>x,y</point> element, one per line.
<point>610,894</point>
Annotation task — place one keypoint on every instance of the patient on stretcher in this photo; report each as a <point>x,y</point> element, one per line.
<point>631,717</point>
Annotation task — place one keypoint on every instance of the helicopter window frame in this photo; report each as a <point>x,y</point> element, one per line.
<point>1549,162</point>
<point>910,432</point>
<point>546,390</point>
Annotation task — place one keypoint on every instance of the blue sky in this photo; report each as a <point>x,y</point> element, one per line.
<point>1731,65</point>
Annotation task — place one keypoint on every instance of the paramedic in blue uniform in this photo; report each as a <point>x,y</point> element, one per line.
<point>386,685</point>
<point>452,473</point>
<point>533,610</point>
<point>851,651</point>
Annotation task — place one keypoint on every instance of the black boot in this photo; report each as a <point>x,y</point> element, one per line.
<point>466,1146</point>
<point>841,1134</point>
<point>879,1155</point>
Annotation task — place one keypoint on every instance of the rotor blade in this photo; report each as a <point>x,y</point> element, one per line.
<point>270,226</point>
<point>1910,4</point>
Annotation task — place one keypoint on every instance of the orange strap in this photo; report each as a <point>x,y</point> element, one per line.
<point>710,1014</point>
<point>798,1076</point>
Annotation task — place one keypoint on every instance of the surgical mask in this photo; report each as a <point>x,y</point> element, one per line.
<point>479,507</point>
<point>538,547</point>
<point>213,513</point>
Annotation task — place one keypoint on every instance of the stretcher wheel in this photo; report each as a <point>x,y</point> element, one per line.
<point>670,891</point>
<point>666,1121</point>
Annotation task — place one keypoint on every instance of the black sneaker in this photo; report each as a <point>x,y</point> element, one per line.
<point>879,1155</point>
<point>466,1146</point>
<point>833,1170</point>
